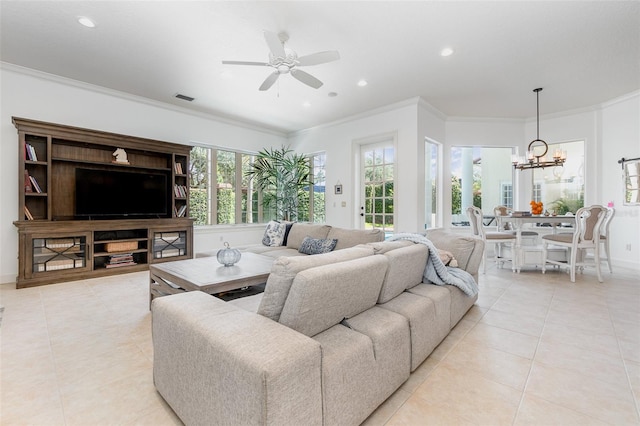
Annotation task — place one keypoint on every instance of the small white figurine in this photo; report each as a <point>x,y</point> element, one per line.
<point>121,156</point>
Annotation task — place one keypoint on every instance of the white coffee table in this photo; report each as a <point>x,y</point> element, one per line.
<point>207,275</point>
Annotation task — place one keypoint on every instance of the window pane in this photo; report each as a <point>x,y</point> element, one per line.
<point>378,184</point>
<point>225,188</point>
<point>215,191</point>
<point>431,184</point>
<point>200,178</point>
<point>319,187</point>
<point>479,175</point>
<point>561,189</point>
<point>506,198</point>
<point>249,196</point>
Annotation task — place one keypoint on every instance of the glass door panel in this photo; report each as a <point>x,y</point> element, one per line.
<point>377,192</point>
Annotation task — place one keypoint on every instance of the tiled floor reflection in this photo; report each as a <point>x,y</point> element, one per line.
<point>535,350</point>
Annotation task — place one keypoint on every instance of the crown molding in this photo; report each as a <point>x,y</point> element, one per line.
<point>620,99</point>
<point>138,99</point>
<point>415,101</point>
<point>504,120</point>
<point>430,108</point>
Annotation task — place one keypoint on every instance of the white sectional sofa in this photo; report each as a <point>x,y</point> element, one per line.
<point>332,337</point>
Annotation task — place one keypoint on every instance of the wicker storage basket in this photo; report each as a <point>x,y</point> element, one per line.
<point>121,246</point>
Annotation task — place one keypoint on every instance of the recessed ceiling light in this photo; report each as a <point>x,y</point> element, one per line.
<point>86,22</point>
<point>447,51</point>
<point>306,104</point>
<point>362,83</point>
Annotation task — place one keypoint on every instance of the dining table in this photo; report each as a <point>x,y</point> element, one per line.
<point>518,221</point>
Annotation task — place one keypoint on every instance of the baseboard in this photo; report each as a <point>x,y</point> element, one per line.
<point>632,266</point>
<point>7,279</point>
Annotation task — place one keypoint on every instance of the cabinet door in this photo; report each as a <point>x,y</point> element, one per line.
<point>57,254</point>
<point>170,244</point>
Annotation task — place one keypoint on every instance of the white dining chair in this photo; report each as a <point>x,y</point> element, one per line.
<point>495,238</point>
<point>604,236</point>
<point>586,235</point>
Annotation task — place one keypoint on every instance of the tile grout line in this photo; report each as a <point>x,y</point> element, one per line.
<point>624,363</point>
<point>526,382</point>
<point>51,356</point>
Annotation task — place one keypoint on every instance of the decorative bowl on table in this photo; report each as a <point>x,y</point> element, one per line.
<point>228,256</point>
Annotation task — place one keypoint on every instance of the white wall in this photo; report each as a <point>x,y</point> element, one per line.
<point>619,134</point>
<point>341,142</point>
<point>33,95</point>
<point>431,125</point>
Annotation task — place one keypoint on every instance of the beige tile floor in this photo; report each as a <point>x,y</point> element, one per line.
<point>534,350</point>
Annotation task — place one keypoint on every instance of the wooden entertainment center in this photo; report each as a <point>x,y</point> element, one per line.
<point>54,244</point>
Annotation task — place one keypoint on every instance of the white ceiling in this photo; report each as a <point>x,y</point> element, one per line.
<point>581,52</point>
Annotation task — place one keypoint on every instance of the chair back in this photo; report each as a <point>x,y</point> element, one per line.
<point>588,223</point>
<point>604,228</point>
<point>475,219</point>
<point>498,212</point>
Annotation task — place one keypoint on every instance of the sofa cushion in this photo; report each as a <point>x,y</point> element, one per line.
<point>385,246</point>
<point>317,245</point>
<point>421,314</point>
<point>440,295</point>
<point>362,365</point>
<point>322,297</point>
<point>274,234</point>
<point>300,230</point>
<point>351,237</point>
<point>406,267</point>
<point>284,270</point>
<point>283,251</point>
<point>462,246</point>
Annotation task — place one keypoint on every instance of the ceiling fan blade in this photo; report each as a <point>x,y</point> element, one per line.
<point>268,82</point>
<point>244,63</point>
<point>275,45</point>
<point>319,58</point>
<point>306,78</point>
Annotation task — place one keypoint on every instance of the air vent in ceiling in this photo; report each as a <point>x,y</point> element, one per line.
<point>184,97</point>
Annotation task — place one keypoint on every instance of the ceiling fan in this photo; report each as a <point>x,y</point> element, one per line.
<point>284,60</point>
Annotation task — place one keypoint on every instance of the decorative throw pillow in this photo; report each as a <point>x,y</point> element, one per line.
<point>274,234</point>
<point>317,245</point>
<point>286,232</point>
<point>447,258</point>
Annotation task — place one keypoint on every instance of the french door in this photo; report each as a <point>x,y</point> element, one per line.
<point>377,172</point>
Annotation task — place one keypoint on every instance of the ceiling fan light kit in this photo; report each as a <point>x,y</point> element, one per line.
<point>538,161</point>
<point>286,61</point>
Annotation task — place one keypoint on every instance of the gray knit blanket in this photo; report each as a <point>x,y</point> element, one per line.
<point>436,272</point>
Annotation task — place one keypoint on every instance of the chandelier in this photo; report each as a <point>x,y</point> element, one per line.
<point>537,150</point>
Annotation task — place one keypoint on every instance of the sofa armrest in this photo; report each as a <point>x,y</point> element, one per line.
<point>215,363</point>
<point>467,250</point>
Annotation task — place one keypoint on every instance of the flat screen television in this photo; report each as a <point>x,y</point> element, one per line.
<point>107,194</point>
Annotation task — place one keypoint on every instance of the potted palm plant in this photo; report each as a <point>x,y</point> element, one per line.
<point>281,175</point>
